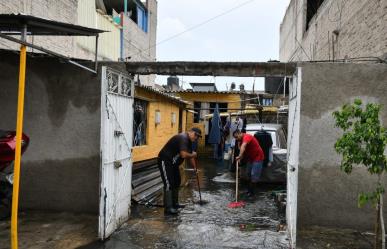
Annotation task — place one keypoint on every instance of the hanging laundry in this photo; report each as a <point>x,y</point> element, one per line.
<point>266,143</point>
<point>215,132</point>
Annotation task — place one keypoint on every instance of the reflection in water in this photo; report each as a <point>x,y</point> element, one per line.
<point>212,225</point>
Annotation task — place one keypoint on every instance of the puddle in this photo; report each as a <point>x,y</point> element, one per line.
<point>211,225</point>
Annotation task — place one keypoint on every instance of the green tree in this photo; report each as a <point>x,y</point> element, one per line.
<point>363,143</point>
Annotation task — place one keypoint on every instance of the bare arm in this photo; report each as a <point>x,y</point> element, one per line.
<point>193,163</point>
<point>241,151</point>
<point>186,155</point>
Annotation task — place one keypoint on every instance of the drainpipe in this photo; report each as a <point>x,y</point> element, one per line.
<point>122,34</point>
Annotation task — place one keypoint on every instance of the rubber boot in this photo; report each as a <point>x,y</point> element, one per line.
<point>175,199</point>
<point>168,204</point>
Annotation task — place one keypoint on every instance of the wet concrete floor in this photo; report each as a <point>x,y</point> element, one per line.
<point>51,230</point>
<point>212,225</point>
<point>208,226</point>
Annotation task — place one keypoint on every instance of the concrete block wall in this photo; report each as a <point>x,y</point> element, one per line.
<point>326,195</point>
<point>59,10</point>
<point>361,26</point>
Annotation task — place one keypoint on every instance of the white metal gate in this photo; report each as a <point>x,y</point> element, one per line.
<point>293,151</point>
<point>116,144</point>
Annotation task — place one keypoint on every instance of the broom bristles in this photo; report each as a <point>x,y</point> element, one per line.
<point>236,204</point>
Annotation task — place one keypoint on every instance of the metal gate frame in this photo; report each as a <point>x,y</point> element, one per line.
<point>293,155</point>
<point>117,91</point>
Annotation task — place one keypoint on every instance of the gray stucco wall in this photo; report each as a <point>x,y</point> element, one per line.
<point>60,169</point>
<point>327,196</point>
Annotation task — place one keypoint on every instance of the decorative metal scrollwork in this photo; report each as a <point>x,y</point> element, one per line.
<point>112,80</point>
<point>119,83</point>
<point>126,85</point>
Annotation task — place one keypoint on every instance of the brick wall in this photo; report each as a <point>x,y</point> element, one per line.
<point>361,26</point>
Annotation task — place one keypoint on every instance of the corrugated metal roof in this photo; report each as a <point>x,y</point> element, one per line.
<point>13,23</point>
<point>164,94</point>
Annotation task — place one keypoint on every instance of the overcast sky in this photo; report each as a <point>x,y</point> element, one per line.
<point>240,30</point>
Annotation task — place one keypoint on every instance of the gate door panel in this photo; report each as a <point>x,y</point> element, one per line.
<point>116,145</point>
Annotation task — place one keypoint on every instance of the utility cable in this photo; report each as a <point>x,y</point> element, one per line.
<point>197,25</point>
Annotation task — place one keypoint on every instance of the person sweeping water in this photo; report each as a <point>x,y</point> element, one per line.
<point>174,152</point>
<point>252,153</point>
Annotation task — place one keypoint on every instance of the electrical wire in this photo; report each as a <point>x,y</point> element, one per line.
<point>197,26</point>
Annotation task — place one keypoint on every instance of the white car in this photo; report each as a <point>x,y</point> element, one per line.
<point>277,171</point>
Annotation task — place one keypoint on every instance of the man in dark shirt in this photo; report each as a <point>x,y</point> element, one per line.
<point>174,152</point>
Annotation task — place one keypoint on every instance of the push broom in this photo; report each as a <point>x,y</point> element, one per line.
<point>236,203</point>
<point>201,202</point>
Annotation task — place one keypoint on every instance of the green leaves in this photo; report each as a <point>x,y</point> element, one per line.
<point>362,200</point>
<point>363,142</point>
<point>373,197</point>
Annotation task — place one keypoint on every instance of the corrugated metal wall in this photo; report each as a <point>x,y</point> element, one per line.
<point>109,42</point>
<point>147,185</point>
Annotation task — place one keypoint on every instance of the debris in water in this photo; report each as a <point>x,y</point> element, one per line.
<point>247,227</point>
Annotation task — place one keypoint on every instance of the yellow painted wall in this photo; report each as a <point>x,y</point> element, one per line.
<point>190,119</point>
<point>157,135</point>
<point>201,127</point>
<point>184,126</point>
<point>233,101</point>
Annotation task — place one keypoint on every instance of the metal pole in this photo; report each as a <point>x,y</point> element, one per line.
<point>283,101</point>
<point>96,54</point>
<point>19,132</point>
<point>122,37</point>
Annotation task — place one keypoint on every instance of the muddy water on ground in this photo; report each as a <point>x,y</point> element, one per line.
<point>211,225</point>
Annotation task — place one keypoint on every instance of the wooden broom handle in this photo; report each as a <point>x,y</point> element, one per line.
<point>237,176</point>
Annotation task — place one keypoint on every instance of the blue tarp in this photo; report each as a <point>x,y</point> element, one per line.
<point>214,136</point>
